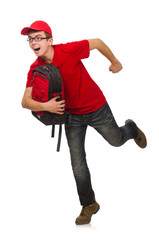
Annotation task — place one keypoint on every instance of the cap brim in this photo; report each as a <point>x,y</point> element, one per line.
<point>25,30</point>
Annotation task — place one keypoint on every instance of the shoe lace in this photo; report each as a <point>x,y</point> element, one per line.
<point>84,211</point>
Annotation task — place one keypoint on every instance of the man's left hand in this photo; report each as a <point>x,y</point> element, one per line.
<point>115,67</point>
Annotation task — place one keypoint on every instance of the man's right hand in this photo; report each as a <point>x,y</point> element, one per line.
<point>52,105</point>
<point>55,106</point>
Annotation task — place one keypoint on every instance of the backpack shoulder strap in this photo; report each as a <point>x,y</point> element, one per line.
<point>59,136</point>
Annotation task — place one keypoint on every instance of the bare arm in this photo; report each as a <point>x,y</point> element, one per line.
<point>50,106</point>
<point>105,50</point>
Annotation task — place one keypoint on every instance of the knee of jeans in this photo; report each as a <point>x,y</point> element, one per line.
<point>115,138</point>
<point>79,169</point>
<point>115,142</point>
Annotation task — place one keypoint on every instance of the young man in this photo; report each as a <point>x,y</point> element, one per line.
<point>84,103</point>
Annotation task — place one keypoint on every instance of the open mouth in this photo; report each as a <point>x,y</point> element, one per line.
<point>36,49</point>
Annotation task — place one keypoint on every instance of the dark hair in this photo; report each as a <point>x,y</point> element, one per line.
<point>46,34</point>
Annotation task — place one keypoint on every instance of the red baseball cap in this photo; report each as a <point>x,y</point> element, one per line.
<point>38,26</point>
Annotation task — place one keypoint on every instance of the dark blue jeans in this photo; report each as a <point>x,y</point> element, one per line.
<point>76,125</point>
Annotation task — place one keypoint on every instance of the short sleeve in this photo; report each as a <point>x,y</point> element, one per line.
<point>29,79</point>
<point>37,63</point>
<point>79,48</point>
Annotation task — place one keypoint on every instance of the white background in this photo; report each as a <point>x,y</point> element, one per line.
<point>38,198</point>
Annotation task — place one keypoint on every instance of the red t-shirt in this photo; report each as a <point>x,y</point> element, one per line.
<point>82,94</point>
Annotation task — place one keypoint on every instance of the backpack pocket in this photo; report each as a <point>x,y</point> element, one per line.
<point>40,88</point>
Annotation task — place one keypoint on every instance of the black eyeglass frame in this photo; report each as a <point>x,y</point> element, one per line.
<point>37,39</point>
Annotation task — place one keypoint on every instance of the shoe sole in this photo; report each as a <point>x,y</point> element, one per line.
<point>140,140</point>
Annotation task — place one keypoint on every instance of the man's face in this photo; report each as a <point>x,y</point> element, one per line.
<point>41,46</point>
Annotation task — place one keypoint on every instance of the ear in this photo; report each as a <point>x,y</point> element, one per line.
<point>50,41</point>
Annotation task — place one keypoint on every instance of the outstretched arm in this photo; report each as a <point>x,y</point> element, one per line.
<point>105,50</point>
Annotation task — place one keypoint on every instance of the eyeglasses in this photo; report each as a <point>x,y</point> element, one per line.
<point>37,39</point>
